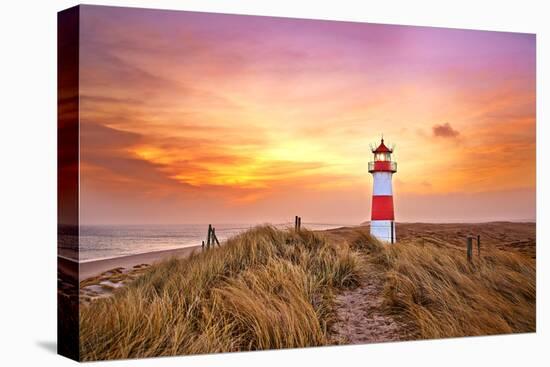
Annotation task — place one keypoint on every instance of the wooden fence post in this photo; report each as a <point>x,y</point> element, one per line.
<point>469,249</point>
<point>299,223</point>
<point>203,245</point>
<point>214,237</point>
<point>478,245</point>
<point>209,236</point>
<point>296,223</point>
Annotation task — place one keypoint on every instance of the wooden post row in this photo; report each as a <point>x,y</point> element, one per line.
<point>478,245</point>
<point>211,238</point>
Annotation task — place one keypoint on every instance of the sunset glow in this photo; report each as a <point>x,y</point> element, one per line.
<point>194,117</point>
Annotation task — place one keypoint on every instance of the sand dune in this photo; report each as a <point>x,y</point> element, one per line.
<point>510,236</point>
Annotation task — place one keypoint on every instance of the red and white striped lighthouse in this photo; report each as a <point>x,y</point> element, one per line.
<point>382,225</point>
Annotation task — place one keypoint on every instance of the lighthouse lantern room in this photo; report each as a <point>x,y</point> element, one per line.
<point>382,225</point>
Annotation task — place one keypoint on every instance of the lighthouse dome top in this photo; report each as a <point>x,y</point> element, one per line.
<point>382,148</point>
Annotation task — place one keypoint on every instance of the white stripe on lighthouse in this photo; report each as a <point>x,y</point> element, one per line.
<point>382,183</point>
<point>384,230</point>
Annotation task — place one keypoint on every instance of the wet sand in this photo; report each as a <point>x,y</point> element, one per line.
<point>93,268</point>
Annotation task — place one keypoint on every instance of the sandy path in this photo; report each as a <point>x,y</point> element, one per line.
<point>361,318</point>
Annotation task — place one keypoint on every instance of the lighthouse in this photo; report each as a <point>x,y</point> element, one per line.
<point>382,225</point>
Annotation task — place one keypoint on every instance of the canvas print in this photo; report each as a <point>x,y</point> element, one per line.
<point>235,183</point>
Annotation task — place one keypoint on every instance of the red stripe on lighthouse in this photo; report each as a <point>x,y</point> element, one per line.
<point>382,208</point>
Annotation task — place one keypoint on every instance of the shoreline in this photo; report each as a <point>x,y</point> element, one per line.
<point>90,268</point>
<point>86,269</point>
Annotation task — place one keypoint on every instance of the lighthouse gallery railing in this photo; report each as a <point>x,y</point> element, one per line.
<point>389,166</point>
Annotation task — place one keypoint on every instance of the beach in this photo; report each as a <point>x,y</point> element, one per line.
<point>95,267</point>
<point>89,280</point>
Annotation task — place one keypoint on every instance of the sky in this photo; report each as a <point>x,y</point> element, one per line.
<point>208,118</point>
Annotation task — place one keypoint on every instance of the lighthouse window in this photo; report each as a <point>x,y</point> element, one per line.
<point>382,157</point>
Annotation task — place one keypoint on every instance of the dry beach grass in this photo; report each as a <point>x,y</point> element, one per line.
<point>437,292</point>
<point>264,289</point>
<point>268,289</point>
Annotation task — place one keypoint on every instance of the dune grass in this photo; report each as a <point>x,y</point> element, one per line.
<point>270,289</point>
<point>436,291</point>
<point>263,289</point>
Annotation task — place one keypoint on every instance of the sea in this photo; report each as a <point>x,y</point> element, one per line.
<point>105,241</point>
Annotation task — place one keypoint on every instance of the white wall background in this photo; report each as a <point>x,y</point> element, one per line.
<point>28,181</point>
